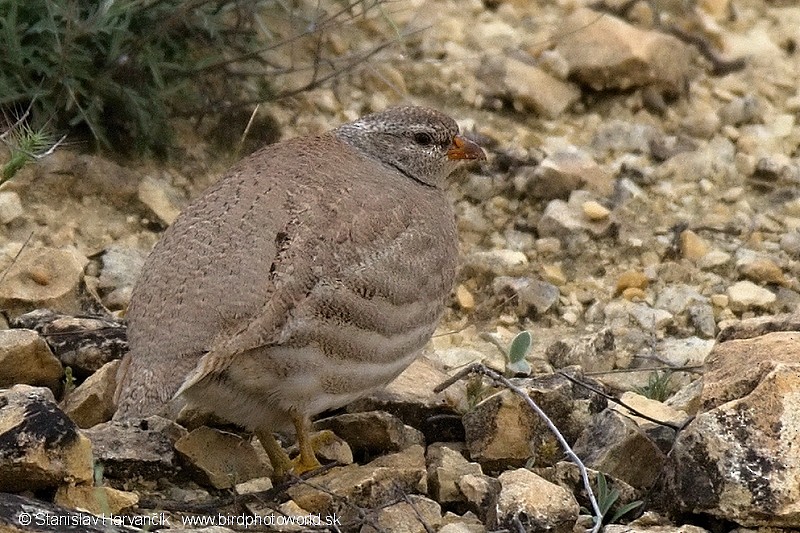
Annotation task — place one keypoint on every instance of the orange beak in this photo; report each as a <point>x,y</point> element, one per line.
<point>463,148</point>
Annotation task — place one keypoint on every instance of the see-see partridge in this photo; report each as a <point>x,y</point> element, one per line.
<point>310,275</point>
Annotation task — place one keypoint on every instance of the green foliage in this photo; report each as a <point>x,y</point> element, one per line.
<point>121,68</point>
<point>517,352</point>
<point>606,498</point>
<point>658,387</point>
<point>25,144</point>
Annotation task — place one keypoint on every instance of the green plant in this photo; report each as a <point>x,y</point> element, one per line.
<point>658,387</point>
<point>121,68</point>
<point>606,498</point>
<point>25,144</point>
<point>517,352</point>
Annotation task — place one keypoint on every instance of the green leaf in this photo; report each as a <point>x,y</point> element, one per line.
<point>625,509</point>
<point>520,347</point>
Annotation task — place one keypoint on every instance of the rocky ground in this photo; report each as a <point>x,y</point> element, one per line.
<point>638,214</point>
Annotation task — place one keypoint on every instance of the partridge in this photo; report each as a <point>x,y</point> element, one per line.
<point>310,275</point>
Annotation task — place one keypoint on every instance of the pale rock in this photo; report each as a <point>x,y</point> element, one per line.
<point>622,56</point>
<point>92,402</point>
<point>530,294</point>
<point>416,515</point>
<point>746,295</point>
<point>496,262</point>
<point>553,273</point>
<point>689,351</point>
<point>713,259</point>
<point>739,460</point>
<point>465,298</point>
<point>43,277</point>
<point>96,500</point>
<point>652,408</point>
<point>410,397</point>
<point>693,247</point>
<point>678,298</point>
<point>762,270</point>
<point>631,279</point>
<point>372,485</point>
<point>446,466</point>
<point>371,433</point>
<point>735,367</point>
<point>593,353</point>
<point>161,198</point>
<point>480,491</point>
<point>218,458</point>
<point>595,210</point>
<point>562,219</point>
<point>10,207</point>
<point>609,443</point>
<point>40,447</point>
<point>533,501</point>
<point>527,86</point>
<point>142,448</point>
<point>25,358</point>
<point>567,170</point>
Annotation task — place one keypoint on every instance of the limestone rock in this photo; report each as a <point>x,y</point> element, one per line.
<point>735,368</point>
<point>593,353</point>
<point>40,447</point>
<point>446,466</point>
<point>746,295</point>
<point>10,207</point>
<point>410,397</point>
<point>92,402</point>
<point>526,86</point>
<point>758,326</point>
<point>622,56</point>
<point>531,295</point>
<point>374,484</point>
<point>82,343</point>
<point>96,500</point>
<point>43,277</point>
<point>739,461</point>
<point>25,358</point>
<point>218,458</point>
<point>533,501</point>
<point>562,219</point>
<point>417,515</point>
<point>565,171</point>
<point>161,198</point>
<point>480,491</point>
<point>50,518</point>
<point>136,448</point>
<point>372,433</point>
<point>503,430</point>
<point>609,443</point>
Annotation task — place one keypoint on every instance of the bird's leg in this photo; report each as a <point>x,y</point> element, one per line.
<point>281,464</point>
<point>307,460</point>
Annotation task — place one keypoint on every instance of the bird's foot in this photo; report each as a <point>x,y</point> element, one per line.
<point>307,462</point>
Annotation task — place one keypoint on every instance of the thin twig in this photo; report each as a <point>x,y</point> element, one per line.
<point>478,368</point>
<point>617,401</point>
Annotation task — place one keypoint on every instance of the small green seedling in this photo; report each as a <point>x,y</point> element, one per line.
<point>658,387</point>
<point>517,352</point>
<point>606,498</point>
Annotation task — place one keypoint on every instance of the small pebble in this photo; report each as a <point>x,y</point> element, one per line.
<point>631,279</point>
<point>693,247</point>
<point>554,275</point>
<point>464,298</point>
<point>595,211</point>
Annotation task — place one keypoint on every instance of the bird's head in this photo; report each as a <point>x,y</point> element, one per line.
<point>421,143</point>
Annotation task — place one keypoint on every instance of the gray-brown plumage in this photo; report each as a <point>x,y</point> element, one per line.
<point>311,274</point>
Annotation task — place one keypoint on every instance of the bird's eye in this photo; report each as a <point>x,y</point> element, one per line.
<point>423,138</point>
